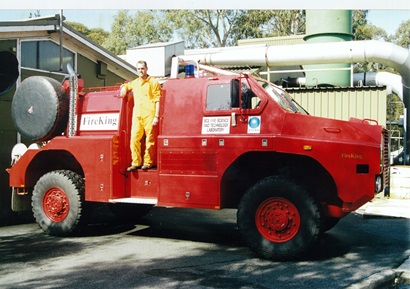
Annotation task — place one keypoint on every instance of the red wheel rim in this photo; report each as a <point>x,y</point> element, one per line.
<point>56,204</point>
<point>278,220</point>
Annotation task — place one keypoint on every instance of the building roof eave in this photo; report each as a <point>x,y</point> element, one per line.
<point>53,20</point>
<point>51,27</point>
<point>105,54</point>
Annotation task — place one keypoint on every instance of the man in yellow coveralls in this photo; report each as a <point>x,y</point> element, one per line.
<point>145,116</point>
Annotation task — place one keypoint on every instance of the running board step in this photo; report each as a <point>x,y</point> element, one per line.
<point>148,201</point>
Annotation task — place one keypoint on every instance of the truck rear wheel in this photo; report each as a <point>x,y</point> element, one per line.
<point>278,219</point>
<point>57,202</point>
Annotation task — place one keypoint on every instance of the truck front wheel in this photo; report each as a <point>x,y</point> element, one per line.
<point>57,202</point>
<point>278,219</point>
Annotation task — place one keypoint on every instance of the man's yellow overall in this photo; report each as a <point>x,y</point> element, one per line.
<point>146,93</point>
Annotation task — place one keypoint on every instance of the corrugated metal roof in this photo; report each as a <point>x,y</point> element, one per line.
<point>239,68</point>
<point>155,45</point>
<point>334,88</point>
<point>231,68</point>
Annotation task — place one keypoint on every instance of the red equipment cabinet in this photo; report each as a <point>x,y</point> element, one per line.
<point>223,142</point>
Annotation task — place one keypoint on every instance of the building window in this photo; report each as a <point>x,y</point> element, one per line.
<point>45,55</point>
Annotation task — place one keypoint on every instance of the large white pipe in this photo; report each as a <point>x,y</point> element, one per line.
<point>316,53</point>
<point>393,82</point>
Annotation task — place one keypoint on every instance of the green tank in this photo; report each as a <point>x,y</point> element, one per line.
<point>328,26</point>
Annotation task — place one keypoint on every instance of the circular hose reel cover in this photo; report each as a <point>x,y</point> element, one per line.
<point>40,108</point>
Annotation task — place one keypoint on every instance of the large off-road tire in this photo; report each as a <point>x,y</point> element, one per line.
<point>278,219</point>
<point>40,108</point>
<point>57,202</point>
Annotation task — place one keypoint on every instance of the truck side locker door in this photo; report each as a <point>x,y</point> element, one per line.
<point>187,159</point>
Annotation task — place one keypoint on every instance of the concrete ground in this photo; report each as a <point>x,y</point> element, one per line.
<point>163,233</point>
<point>386,207</point>
<point>181,248</point>
<point>383,207</point>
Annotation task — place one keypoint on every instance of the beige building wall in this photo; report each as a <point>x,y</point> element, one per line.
<point>343,103</point>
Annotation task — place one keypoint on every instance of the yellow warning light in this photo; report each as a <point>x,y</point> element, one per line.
<point>307,147</point>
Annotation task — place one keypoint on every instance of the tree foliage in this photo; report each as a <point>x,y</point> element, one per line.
<point>267,23</point>
<point>371,32</point>
<point>98,35</point>
<point>362,30</point>
<point>118,41</point>
<point>79,27</point>
<point>204,28</point>
<point>221,28</point>
<point>358,21</point>
<point>402,35</point>
<point>286,22</point>
<point>142,28</point>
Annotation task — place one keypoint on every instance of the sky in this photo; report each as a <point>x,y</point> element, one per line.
<point>387,16</point>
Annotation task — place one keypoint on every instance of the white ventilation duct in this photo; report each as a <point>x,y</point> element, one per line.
<point>393,82</point>
<point>316,53</point>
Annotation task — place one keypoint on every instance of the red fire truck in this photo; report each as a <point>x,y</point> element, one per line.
<point>224,141</point>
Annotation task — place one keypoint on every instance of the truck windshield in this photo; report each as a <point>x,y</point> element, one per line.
<point>283,98</point>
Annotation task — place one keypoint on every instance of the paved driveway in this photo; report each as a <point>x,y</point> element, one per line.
<point>183,248</point>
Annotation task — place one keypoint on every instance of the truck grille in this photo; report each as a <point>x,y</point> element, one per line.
<point>385,162</point>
